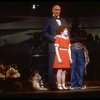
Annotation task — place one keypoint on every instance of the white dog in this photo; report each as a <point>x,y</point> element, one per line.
<point>37,82</point>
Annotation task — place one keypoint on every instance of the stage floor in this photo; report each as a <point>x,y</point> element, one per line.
<point>92,91</point>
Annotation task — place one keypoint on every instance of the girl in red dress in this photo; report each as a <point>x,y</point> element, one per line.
<point>63,55</point>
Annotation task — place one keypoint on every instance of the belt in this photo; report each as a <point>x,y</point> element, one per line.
<point>63,49</point>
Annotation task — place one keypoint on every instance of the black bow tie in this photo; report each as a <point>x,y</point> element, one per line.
<point>57,17</point>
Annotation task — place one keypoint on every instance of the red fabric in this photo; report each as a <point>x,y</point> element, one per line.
<point>63,43</point>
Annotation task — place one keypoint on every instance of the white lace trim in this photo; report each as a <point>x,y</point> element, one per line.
<point>56,45</point>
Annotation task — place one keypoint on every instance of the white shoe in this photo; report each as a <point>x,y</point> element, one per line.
<point>83,87</point>
<point>65,87</point>
<point>71,88</point>
<point>60,88</point>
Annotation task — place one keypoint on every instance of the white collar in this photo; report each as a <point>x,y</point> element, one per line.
<point>56,16</point>
<point>61,36</point>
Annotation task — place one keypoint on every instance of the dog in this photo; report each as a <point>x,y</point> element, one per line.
<point>37,82</point>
